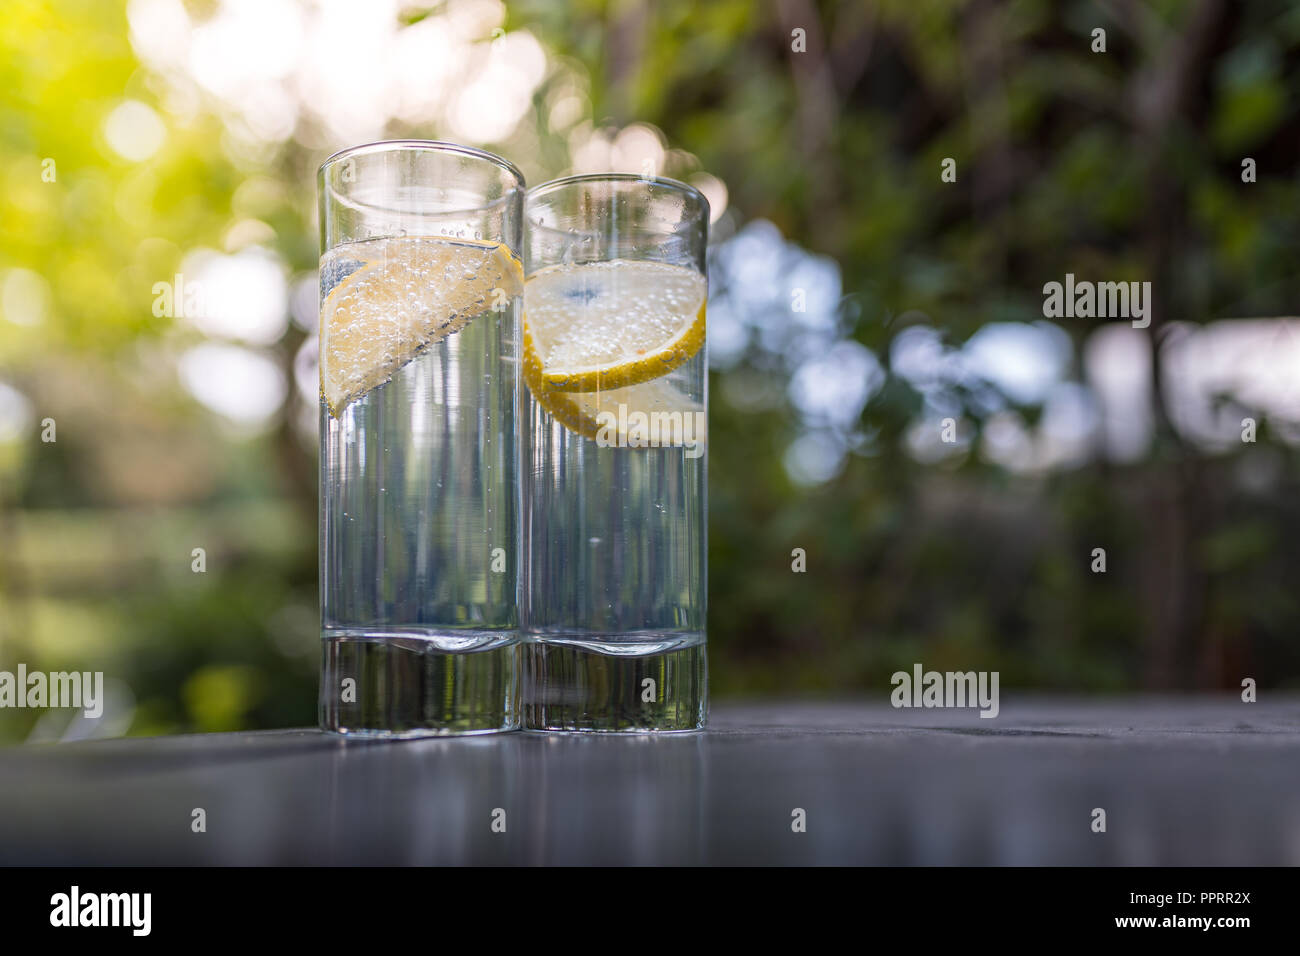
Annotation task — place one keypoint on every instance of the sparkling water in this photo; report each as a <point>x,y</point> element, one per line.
<point>419,507</point>
<point>616,592</point>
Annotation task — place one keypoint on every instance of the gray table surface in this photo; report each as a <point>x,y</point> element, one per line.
<point>1183,781</point>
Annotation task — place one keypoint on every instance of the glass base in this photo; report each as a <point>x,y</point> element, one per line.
<point>652,686</point>
<point>419,683</point>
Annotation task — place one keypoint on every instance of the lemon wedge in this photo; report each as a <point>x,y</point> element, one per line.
<point>604,325</point>
<point>403,295</point>
<point>599,342</point>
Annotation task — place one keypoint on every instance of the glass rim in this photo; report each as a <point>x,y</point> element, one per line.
<point>674,184</point>
<point>424,145</point>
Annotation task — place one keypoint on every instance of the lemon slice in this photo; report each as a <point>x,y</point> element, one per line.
<point>405,294</point>
<point>613,417</point>
<point>608,325</point>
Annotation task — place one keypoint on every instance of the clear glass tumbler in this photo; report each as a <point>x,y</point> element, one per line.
<point>615,456</point>
<point>421,284</point>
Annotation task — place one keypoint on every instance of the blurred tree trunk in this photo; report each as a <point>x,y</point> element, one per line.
<point>1161,93</point>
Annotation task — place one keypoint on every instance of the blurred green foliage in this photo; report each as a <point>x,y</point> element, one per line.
<point>1125,165</point>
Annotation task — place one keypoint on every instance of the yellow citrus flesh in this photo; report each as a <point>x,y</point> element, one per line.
<point>408,293</point>
<point>608,325</point>
<point>588,412</point>
<point>600,339</point>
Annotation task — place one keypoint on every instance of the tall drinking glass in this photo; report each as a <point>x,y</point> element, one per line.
<point>421,284</point>
<point>615,456</point>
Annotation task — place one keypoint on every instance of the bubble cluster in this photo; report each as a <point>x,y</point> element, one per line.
<point>393,298</point>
